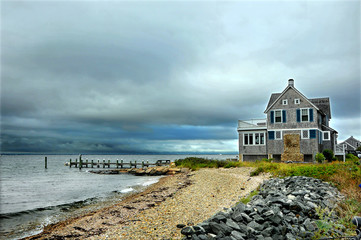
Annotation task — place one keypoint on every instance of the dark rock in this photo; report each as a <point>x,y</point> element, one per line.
<point>232,224</point>
<point>246,217</point>
<point>238,235</point>
<point>181,225</point>
<point>255,226</point>
<point>187,231</point>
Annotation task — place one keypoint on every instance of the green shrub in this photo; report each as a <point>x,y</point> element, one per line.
<point>196,163</point>
<point>320,158</point>
<point>328,154</point>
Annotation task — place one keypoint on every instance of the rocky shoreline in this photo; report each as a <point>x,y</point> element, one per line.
<point>283,209</point>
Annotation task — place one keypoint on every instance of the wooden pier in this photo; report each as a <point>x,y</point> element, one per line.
<point>118,164</point>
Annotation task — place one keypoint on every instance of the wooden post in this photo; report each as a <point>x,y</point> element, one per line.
<point>103,163</point>
<point>135,164</point>
<point>142,164</point>
<point>46,162</point>
<point>70,162</point>
<point>121,162</point>
<point>86,163</point>
<point>117,163</point>
<point>130,164</point>
<point>76,162</point>
<point>108,163</point>
<point>80,162</point>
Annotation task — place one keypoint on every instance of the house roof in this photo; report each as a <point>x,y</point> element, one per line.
<point>321,104</point>
<point>276,96</point>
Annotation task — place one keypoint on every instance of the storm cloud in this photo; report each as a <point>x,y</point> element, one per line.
<point>170,76</point>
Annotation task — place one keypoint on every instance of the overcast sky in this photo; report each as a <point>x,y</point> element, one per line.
<point>140,77</point>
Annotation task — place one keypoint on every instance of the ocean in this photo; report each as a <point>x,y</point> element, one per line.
<point>32,197</point>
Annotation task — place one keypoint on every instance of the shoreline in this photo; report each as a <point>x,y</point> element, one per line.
<point>185,198</point>
<point>57,230</point>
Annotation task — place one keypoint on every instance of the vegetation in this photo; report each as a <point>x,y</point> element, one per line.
<point>248,198</point>
<point>196,163</point>
<point>329,155</point>
<point>346,176</point>
<point>320,158</point>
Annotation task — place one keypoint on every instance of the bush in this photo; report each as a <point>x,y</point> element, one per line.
<point>320,158</point>
<point>328,154</point>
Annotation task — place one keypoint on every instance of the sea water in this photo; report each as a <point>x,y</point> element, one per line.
<point>32,197</point>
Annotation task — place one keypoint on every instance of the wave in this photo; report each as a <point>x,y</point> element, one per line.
<point>63,207</point>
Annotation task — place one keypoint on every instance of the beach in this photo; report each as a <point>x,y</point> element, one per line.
<point>186,198</point>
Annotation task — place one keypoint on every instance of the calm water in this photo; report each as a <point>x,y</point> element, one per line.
<point>32,196</point>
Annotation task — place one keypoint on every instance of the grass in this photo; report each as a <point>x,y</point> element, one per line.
<point>346,176</point>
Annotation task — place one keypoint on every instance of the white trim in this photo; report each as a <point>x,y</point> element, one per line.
<point>293,129</point>
<point>274,115</point>
<point>323,136</point>
<point>308,114</point>
<point>280,133</point>
<point>308,134</point>
<point>254,138</point>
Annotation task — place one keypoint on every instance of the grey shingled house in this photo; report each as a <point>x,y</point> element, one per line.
<point>296,128</point>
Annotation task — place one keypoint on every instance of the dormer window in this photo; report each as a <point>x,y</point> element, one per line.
<point>297,101</point>
<point>284,102</point>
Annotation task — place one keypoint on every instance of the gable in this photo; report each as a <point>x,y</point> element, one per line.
<point>290,93</point>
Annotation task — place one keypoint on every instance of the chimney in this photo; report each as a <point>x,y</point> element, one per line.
<point>291,82</point>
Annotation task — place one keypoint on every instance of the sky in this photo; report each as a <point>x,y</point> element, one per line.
<point>168,76</point>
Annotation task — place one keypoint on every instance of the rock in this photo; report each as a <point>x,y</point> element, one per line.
<point>232,224</point>
<point>180,225</point>
<point>284,209</point>
<point>237,235</point>
<point>255,226</point>
<point>246,217</point>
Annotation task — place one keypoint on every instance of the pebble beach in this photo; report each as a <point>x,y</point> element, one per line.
<point>182,199</point>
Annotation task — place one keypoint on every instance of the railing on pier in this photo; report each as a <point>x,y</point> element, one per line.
<point>86,164</point>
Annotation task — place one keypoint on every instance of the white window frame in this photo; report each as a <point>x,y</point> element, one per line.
<point>285,102</point>
<point>308,134</point>
<point>308,114</point>
<point>274,120</point>
<point>254,135</point>
<point>280,135</point>
<point>297,101</point>
<point>323,136</point>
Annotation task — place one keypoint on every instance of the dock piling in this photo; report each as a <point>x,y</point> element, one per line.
<point>46,162</point>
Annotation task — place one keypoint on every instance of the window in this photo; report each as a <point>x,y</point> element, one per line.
<point>304,115</point>
<point>278,135</point>
<point>284,102</point>
<point>305,134</point>
<point>326,135</point>
<point>254,139</point>
<point>297,101</point>
<point>278,116</point>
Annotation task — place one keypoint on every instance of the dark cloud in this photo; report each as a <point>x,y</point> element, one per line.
<point>167,76</point>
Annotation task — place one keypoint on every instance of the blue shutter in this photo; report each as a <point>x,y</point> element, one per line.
<point>272,116</point>
<point>311,114</point>
<point>271,135</point>
<point>283,116</point>
<point>298,111</point>
<point>313,133</point>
